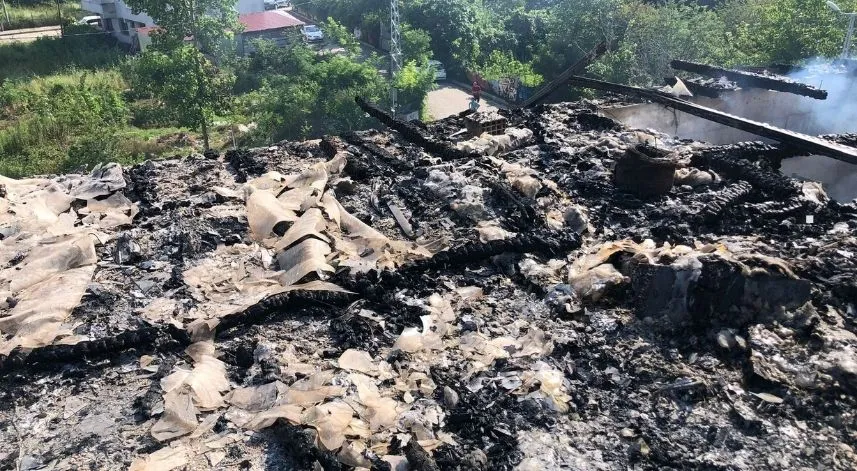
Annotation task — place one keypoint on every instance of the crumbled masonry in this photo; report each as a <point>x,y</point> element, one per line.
<point>414,297</point>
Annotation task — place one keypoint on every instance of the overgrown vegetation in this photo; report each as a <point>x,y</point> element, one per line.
<point>80,49</point>
<point>295,93</point>
<point>32,14</point>
<point>58,115</point>
<point>79,100</point>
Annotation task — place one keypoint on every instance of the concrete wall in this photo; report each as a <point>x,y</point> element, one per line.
<point>801,114</point>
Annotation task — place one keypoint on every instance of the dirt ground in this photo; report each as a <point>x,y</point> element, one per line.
<point>419,299</point>
<point>29,34</point>
<point>448,100</point>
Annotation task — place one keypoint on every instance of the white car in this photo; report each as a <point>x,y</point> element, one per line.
<point>312,33</point>
<point>278,5</point>
<point>92,20</point>
<point>439,70</point>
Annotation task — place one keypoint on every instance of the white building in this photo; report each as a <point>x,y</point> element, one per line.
<point>117,18</point>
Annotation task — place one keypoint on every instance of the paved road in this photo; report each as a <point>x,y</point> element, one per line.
<point>449,99</point>
<point>29,34</point>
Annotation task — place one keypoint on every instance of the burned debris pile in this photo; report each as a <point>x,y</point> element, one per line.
<point>562,293</point>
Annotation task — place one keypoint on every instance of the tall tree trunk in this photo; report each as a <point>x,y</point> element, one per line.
<point>204,129</point>
<point>200,79</point>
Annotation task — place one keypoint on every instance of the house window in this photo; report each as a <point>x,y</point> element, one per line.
<point>123,25</point>
<point>108,24</point>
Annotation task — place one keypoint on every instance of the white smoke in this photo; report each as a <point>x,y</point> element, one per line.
<point>838,113</point>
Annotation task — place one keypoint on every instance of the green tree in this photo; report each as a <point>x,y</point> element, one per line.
<point>675,30</point>
<point>413,83</point>
<point>458,28</point>
<point>574,28</point>
<point>210,25</point>
<point>785,31</point>
<point>499,65</point>
<point>339,33</point>
<point>302,94</point>
<point>416,44</point>
<point>185,82</point>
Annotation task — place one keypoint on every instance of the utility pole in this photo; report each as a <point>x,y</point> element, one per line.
<point>846,47</point>
<point>395,51</point>
<point>59,18</point>
<point>5,13</point>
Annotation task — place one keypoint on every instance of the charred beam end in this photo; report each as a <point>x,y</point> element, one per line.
<point>752,80</point>
<point>283,302</point>
<point>376,285</point>
<point>809,144</point>
<point>724,162</point>
<point>757,150</point>
<point>415,134</point>
<point>549,244</point>
<point>418,458</point>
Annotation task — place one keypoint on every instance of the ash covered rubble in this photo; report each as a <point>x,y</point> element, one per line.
<point>417,298</point>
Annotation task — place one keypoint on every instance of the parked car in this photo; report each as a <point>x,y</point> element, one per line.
<point>91,20</point>
<point>278,5</point>
<point>439,70</point>
<point>312,33</point>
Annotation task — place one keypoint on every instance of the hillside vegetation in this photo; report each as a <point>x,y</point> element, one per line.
<point>75,101</point>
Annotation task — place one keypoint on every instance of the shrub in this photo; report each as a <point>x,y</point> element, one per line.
<point>60,115</point>
<point>149,114</point>
<point>90,150</point>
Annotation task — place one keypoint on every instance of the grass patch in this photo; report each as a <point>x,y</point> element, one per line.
<point>40,14</point>
<point>46,56</point>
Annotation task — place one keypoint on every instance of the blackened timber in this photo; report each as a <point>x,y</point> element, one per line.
<point>813,145</point>
<point>415,134</point>
<point>752,80</point>
<point>574,69</point>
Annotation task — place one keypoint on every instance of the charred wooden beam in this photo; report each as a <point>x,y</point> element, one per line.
<point>562,78</point>
<point>415,134</point>
<point>813,145</point>
<point>774,153</point>
<point>752,80</point>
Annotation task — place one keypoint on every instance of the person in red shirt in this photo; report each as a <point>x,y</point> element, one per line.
<point>476,90</point>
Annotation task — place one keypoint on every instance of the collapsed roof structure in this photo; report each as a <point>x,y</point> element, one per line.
<point>567,293</point>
